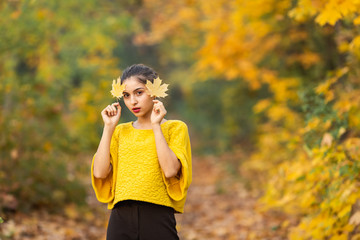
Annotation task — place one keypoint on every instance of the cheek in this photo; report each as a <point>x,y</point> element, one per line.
<point>146,98</point>
<point>127,103</point>
<point>149,104</point>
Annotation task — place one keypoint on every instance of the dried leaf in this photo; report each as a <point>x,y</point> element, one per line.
<point>355,219</point>
<point>117,88</point>
<point>156,89</point>
<point>327,140</point>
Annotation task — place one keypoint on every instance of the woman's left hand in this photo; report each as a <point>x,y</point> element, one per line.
<point>158,112</point>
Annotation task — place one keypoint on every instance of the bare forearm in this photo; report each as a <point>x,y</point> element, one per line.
<point>167,158</point>
<point>102,158</point>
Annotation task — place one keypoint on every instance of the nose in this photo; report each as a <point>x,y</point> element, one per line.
<point>133,99</point>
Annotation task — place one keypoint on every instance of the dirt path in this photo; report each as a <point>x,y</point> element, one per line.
<point>219,207</point>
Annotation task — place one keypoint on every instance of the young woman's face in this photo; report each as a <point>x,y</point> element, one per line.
<point>136,99</point>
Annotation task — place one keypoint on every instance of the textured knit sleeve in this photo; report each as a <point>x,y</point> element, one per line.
<point>179,143</point>
<point>104,188</point>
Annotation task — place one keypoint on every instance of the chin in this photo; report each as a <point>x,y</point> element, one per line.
<point>139,114</point>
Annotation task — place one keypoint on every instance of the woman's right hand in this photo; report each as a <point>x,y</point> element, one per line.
<point>111,114</point>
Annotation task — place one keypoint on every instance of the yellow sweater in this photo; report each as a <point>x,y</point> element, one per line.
<point>136,172</point>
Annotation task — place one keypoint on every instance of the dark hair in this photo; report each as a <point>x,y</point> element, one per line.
<point>141,71</point>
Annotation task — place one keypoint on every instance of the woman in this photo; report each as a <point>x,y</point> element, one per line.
<point>142,169</point>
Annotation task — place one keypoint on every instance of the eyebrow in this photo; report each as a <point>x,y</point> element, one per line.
<point>135,89</point>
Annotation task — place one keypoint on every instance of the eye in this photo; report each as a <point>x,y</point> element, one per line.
<point>139,92</point>
<point>126,95</point>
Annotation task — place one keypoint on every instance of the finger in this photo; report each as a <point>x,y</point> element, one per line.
<point>159,110</point>
<point>110,110</point>
<point>103,111</point>
<point>113,109</point>
<point>107,108</point>
<point>159,105</point>
<point>106,112</point>
<point>116,104</point>
<point>156,106</point>
<point>162,108</point>
<point>118,110</point>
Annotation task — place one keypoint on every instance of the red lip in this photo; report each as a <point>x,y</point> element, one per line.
<point>136,110</point>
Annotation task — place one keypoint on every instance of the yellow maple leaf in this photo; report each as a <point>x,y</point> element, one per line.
<point>347,7</point>
<point>330,15</point>
<point>117,88</point>
<point>357,21</point>
<point>156,89</point>
<point>355,43</point>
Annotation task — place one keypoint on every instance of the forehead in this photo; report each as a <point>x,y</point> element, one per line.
<point>133,83</point>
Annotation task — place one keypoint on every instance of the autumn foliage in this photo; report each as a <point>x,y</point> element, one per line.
<point>306,54</point>
<point>52,68</point>
<point>280,78</point>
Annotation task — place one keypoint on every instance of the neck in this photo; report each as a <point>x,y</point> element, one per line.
<point>143,122</point>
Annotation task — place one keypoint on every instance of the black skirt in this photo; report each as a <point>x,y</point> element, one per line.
<point>135,220</point>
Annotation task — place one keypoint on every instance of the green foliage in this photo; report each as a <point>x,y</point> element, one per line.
<point>220,114</point>
<point>307,54</point>
<point>314,106</point>
<point>56,58</point>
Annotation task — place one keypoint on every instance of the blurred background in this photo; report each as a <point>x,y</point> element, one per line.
<point>270,91</point>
